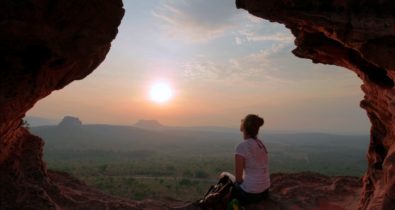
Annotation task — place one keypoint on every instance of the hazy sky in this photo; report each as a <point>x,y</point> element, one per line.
<point>221,63</point>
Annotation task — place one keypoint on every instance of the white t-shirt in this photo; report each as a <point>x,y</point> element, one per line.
<point>256,178</point>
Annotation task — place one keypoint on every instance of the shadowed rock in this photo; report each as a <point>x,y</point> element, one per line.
<point>44,45</point>
<point>308,191</point>
<point>360,36</point>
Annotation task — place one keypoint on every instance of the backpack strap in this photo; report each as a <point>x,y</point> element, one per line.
<point>218,195</point>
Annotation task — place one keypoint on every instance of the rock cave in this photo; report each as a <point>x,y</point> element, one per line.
<point>46,45</point>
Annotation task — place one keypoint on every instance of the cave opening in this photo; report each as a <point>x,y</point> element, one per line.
<point>48,45</point>
<point>299,100</point>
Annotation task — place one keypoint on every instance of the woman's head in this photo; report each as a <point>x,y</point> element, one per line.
<point>250,125</point>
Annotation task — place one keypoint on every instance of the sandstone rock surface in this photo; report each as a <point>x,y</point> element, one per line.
<point>307,191</point>
<point>44,45</point>
<point>360,36</point>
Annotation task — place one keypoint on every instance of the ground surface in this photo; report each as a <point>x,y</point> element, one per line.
<point>289,191</point>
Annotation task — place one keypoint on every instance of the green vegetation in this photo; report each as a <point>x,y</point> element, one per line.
<point>158,176</point>
<point>182,176</point>
<point>139,164</point>
<point>25,124</point>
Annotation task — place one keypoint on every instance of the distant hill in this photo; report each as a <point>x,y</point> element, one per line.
<point>127,138</point>
<point>292,152</point>
<point>72,134</point>
<point>149,125</point>
<point>156,125</point>
<point>70,122</point>
<point>39,121</point>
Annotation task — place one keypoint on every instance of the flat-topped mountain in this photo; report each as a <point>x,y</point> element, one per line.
<point>149,125</point>
<point>70,122</point>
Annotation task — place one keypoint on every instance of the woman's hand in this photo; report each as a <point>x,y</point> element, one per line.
<point>239,167</point>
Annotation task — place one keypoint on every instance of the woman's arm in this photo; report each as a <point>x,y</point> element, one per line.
<point>239,166</point>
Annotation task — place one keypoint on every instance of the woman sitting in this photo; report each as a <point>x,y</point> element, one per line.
<point>252,180</point>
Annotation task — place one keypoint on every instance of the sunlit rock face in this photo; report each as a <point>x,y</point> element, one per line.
<point>44,45</point>
<point>358,35</point>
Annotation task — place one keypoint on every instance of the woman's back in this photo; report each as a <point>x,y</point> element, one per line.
<point>256,177</point>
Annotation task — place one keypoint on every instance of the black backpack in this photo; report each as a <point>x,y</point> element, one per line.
<point>218,196</point>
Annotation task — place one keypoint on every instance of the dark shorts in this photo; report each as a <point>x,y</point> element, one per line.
<point>246,198</point>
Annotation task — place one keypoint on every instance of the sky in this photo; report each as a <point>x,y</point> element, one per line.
<point>221,64</point>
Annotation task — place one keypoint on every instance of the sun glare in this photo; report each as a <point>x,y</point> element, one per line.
<point>161,92</point>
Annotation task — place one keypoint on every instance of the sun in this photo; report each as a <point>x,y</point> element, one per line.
<point>160,92</point>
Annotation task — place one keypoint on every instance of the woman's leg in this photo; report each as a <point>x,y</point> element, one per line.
<point>247,198</point>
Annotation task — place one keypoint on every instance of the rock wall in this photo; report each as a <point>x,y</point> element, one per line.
<point>360,36</point>
<point>44,45</point>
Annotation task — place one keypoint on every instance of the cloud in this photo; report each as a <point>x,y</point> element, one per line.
<point>254,37</point>
<point>262,31</point>
<point>249,68</point>
<point>202,20</point>
<point>275,65</point>
<point>262,52</point>
<point>197,20</point>
<point>238,40</point>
